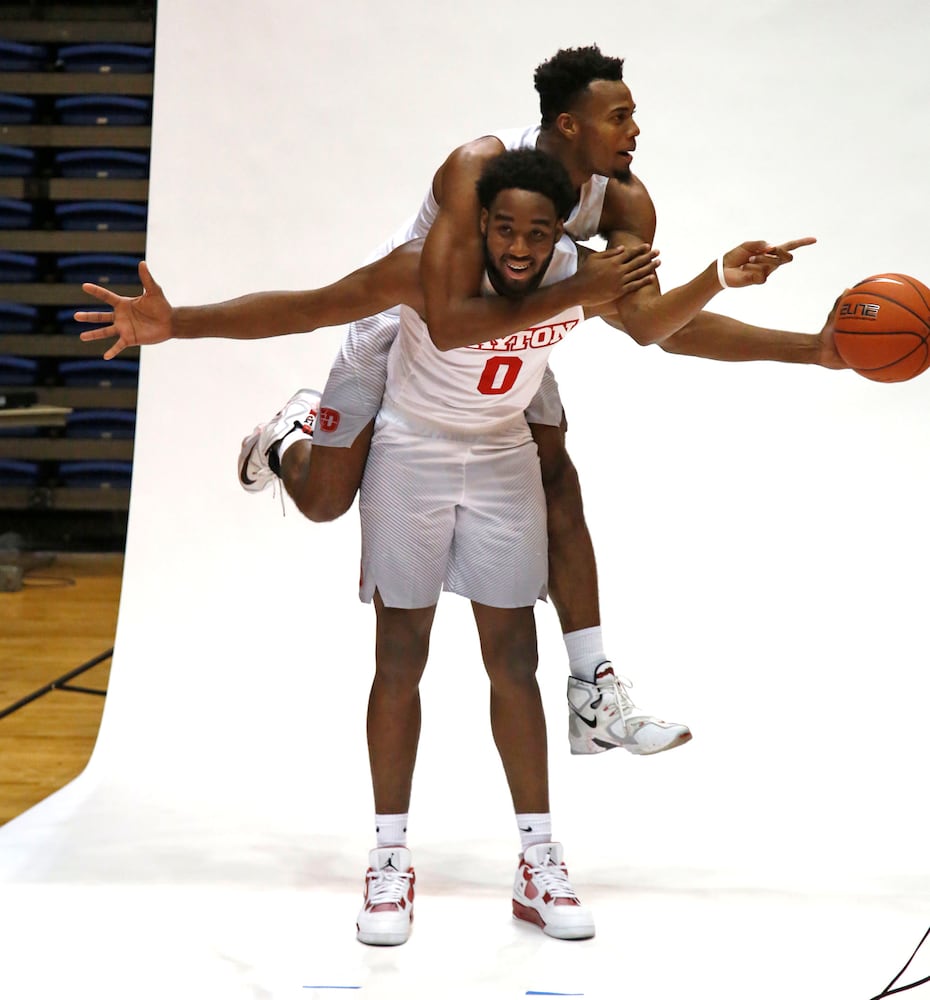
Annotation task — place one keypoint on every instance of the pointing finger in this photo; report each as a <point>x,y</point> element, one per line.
<point>805,241</point>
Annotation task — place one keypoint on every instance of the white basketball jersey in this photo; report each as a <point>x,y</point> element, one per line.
<point>582,223</point>
<point>474,391</point>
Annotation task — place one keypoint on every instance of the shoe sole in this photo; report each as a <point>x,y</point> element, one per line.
<point>382,940</point>
<point>643,752</point>
<point>579,932</point>
<point>585,751</point>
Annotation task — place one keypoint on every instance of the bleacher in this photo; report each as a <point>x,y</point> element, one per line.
<point>75,131</point>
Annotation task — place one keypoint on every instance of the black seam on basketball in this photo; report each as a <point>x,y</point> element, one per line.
<point>840,343</point>
<point>891,364</point>
<point>882,333</point>
<point>913,284</point>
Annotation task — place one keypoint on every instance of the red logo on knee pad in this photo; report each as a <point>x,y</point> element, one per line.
<point>328,419</point>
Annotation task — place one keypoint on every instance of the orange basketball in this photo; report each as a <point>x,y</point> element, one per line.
<point>882,327</point>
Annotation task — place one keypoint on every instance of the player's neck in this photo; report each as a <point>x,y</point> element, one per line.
<point>552,143</point>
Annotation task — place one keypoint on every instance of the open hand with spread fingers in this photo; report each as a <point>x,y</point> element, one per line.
<point>135,322</point>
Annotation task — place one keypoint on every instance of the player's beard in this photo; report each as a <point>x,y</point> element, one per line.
<point>499,283</point>
<point>624,176</point>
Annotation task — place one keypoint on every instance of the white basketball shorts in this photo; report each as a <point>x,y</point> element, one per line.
<point>353,391</point>
<point>441,514</point>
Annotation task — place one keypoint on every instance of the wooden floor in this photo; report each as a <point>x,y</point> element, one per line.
<point>62,618</point>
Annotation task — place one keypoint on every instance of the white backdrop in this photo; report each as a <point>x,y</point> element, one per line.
<point>758,527</point>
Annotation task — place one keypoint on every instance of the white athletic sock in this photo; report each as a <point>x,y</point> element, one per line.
<point>290,439</point>
<point>585,652</point>
<point>391,829</point>
<point>535,828</point>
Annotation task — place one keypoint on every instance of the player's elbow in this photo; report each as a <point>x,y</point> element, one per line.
<point>648,329</point>
<point>643,326</point>
<point>674,344</point>
<point>646,334</point>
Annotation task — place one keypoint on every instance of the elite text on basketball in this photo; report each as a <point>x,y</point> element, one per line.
<point>859,310</point>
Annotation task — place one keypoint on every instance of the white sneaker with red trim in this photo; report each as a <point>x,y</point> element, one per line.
<point>602,715</point>
<point>259,464</point>
<point>543,895</point>
<point>387,916</point>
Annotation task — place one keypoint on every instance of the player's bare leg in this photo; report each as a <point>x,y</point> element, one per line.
<point>322,481</point>
<point>508,648</point>
<point>542,892</point>
<point>602,715</point>
<point>402,645</point>
<point>572,565</point>
<point>401,649</point>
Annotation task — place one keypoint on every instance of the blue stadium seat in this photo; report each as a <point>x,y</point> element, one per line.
<point>99,373</point>
<point>101,215</point>
<point>88,473</point>
<point>16,473</point>
<point>115,424</point>
<point>122,163</point>
<point>30,430</point>
<point>106,57</point>
<point>16,109</point>
<point>17,161</point>
<point>103,109</point>
<point>17,317</point>
<point>18,266</point>
<point>16,213</point>
<point>16,57</point>
<point>99,268</point>
<point>18,371</point>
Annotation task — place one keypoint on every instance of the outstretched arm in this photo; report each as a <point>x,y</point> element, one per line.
<point>149,318</point>
<point>722,338</point>
<point>651,317</point>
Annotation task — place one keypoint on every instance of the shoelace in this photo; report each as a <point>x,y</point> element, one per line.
<point>554,879</point>
<point>387,886</point>
<point>627,706</point>
<point>277,484</point>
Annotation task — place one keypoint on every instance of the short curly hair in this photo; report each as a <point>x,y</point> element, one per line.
<point>527,170</point>
<point>561,79</point>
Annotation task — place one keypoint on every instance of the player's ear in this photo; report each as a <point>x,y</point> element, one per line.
<point>566,125</point>
<point>559,230</point>
<point>483,222</point>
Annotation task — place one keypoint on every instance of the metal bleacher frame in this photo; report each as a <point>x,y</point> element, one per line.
<point>55,25</point>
